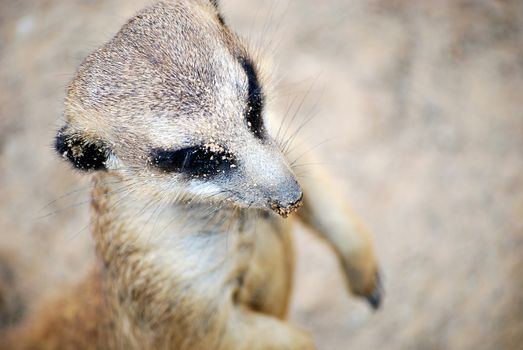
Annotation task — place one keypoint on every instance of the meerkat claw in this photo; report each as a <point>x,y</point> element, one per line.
<point>375,298</point>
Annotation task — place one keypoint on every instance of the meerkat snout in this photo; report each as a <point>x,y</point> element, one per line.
<point>287,207</point>
<point>286,196</point>
<point>266,179</point>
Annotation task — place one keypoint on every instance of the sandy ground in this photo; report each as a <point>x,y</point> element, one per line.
<point>418,114</point>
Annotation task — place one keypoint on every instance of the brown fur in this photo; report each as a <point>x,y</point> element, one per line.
<point>196,272</point>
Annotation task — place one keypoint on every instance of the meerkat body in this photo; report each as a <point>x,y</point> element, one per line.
<point>175,278</point>
<point>187,188</point>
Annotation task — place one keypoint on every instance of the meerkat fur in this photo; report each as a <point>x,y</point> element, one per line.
<point>190,194</point>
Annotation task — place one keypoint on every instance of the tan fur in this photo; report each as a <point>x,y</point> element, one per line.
<point>177,269</point>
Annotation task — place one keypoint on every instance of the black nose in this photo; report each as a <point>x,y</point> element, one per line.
<point>287,207</point>
<point>298,202</point>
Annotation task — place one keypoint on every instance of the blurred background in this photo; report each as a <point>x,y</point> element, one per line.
<point>417,111</point>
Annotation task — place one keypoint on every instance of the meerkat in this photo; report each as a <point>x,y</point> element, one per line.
<point>190,197</point>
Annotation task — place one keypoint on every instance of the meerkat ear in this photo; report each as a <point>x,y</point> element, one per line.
<point>84,153</point>
<point>216,4</point>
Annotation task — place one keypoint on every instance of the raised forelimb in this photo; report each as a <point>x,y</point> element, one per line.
<point>327,212</point>
<point>252,330</point>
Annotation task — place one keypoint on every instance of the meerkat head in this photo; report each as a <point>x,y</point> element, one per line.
<point>175,104</point>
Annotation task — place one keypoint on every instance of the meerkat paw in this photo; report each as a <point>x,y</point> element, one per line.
<point>365,282</point>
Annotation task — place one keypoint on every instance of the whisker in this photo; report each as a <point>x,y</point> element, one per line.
<point>310,149</point>
<point>298,109</point>
<point>309,117</point>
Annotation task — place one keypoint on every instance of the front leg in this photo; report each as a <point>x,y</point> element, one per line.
<point>250,330</point>
<point>328,213</point>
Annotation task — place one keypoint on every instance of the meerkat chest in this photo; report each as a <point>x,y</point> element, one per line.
<point>219,254</point>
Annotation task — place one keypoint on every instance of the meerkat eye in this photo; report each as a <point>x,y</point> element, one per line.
<point>197,161</point>
<point>255,100</point>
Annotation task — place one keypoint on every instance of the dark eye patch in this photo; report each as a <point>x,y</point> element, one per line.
<point>255,99</point>
<point>196,161</point>
<point>82,154</point>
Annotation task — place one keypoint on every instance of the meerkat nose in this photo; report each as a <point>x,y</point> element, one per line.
<point>290,200</point>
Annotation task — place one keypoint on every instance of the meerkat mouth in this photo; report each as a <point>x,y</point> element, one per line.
<point>284,211</point>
